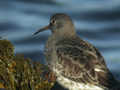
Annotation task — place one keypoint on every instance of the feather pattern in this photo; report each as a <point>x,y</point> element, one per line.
<point>79,61</point>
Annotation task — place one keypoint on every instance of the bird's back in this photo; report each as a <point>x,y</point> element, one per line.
<point>81,62</point>
<point>79,43</point>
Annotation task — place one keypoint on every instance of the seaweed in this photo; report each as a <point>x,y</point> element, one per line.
<point>19,73</point>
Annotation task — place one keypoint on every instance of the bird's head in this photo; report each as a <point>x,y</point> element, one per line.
<point>60,24</point>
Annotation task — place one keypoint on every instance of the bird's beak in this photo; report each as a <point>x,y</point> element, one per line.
<point>42,29</point>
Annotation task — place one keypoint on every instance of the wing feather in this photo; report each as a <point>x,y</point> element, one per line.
<point>82,65</point>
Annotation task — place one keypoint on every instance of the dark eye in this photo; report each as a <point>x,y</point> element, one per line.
<point>53,21</point>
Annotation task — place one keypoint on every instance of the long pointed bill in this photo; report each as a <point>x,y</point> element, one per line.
<point>42,29</point>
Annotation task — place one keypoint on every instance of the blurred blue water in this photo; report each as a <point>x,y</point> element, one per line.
<point>95,21</point>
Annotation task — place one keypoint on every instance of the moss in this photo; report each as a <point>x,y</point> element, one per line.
<point>6,49</point>
<point>19,73</point>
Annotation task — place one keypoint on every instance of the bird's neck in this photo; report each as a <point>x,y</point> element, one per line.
<point>64,33</point>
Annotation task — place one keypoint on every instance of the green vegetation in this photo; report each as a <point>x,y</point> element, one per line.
<point>19,73</point>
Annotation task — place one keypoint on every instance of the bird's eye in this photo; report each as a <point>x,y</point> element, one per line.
<point>53,21</point>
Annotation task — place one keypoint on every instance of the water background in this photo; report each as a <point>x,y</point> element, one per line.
<point>97,21</point>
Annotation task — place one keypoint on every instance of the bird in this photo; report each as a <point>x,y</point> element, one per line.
<point>77,64</point>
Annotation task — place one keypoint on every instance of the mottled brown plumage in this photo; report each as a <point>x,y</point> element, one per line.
<point>77,64</point>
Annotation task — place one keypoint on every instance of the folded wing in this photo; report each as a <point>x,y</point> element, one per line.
<point>83,66</point>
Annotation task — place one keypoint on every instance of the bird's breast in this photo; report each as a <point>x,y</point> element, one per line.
<point>49,48</point>
<point>50,52</point>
